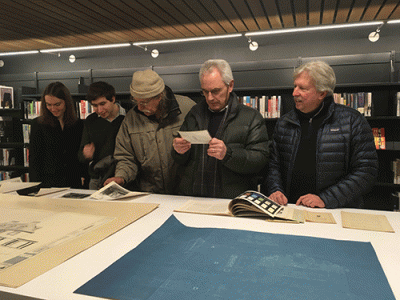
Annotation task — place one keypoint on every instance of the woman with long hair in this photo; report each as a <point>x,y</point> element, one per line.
<point>55,139</point>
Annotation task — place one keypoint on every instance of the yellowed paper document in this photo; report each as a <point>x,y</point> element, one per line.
<point>320,217</point>
<point>366,222</point>
<point>207,207</point>
<point>289,215</point>
<point>26,233</point>
<point>40,233</point>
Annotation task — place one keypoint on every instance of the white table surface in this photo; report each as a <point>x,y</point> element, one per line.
<point>61,281</point>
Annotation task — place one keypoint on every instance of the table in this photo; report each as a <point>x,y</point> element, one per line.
<point>61,281</point>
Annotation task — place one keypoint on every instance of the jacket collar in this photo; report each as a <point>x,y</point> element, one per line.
<point>201,109</point>
<point>293,115</point>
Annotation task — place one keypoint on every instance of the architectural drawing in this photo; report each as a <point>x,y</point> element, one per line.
<point>26,233</point>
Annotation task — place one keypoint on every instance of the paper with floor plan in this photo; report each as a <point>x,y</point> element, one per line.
<point>26,233</point>
<point>39,233</point>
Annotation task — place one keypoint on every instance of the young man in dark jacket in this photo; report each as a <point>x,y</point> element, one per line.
<point>239,148</point>
<point>323,154</point>
<point>99,132</point>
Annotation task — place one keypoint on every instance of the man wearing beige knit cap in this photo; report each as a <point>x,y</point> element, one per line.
<point>144,142</point>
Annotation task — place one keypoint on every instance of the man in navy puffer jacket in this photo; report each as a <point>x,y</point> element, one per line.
<point>323,154</point>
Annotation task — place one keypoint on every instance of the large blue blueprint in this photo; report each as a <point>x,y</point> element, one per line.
<point>179,262</point>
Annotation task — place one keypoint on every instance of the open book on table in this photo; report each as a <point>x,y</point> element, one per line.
<point>248,204</point>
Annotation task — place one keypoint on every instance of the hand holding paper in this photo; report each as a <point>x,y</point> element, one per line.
<point>196,137</point>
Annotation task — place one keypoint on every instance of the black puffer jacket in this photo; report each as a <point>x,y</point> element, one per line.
<point>347,162</point>
<point>246,138</point>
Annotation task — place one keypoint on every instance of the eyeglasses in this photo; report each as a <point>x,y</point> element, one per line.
<point>145,102</point>
<point>215,92</point>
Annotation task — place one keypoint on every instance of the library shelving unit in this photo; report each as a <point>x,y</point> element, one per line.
<point>11,144</point>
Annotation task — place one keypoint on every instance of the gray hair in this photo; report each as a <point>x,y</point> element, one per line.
<point>221,65</point>
<point>322,74</point>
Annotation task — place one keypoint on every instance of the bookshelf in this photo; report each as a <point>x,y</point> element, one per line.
<point>11,144</point>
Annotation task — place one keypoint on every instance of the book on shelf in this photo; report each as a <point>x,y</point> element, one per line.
<point>397,103</point>
<point>272,106</point>
<point>248,204</point>
<point>369,104</point>
<point>26,132</point>
<point>396,171</point>
<point>262,106</point>
<point>7,157</point>
<point>379,138</point>
<point>5,175</point>
<point>32,109</point>
<point>361,101</point>
<point>269,107</point>
<point>25,177</point>
<point>84,109</point>
<point>6,97</point>
<point>26,157</point>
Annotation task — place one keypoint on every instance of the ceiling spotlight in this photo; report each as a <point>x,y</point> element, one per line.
<point>72,58</point>
<point>154,53</point>
<point>253,45</point>
<point>374,35</point>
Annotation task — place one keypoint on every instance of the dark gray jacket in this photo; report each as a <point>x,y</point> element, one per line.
<point>246,138</point>
<point>347,162</point>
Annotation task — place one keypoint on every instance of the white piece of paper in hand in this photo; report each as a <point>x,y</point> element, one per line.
<point>196,137</point>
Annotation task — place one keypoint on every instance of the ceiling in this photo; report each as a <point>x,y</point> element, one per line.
<point>41,24</point>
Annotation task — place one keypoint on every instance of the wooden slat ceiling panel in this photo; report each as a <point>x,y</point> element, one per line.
<point>206,16</point>
<point>245,14</point>
<point>223,13</point>
<point>272,13</point>
<point>39,24</point>
<point>329,12</point>
<point>343,11</point>
<point>179,10</point>
<point>138,16</point>
<point>193,21</point>
<point>285,10</point>
<point>372,10</point>
<point>300,10</point>
<point>138,25</point>
<point>387,10</point>
<point>358,10</point>
<point>232,16</point>
<point>396,13</point>
<point>314,15</point>
<point>258,12</point>
<point>164,15</point>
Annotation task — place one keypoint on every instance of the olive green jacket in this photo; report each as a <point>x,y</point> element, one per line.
<point>143,147</point>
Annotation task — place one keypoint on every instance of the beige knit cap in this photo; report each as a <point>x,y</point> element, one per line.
<point>146,84</point>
